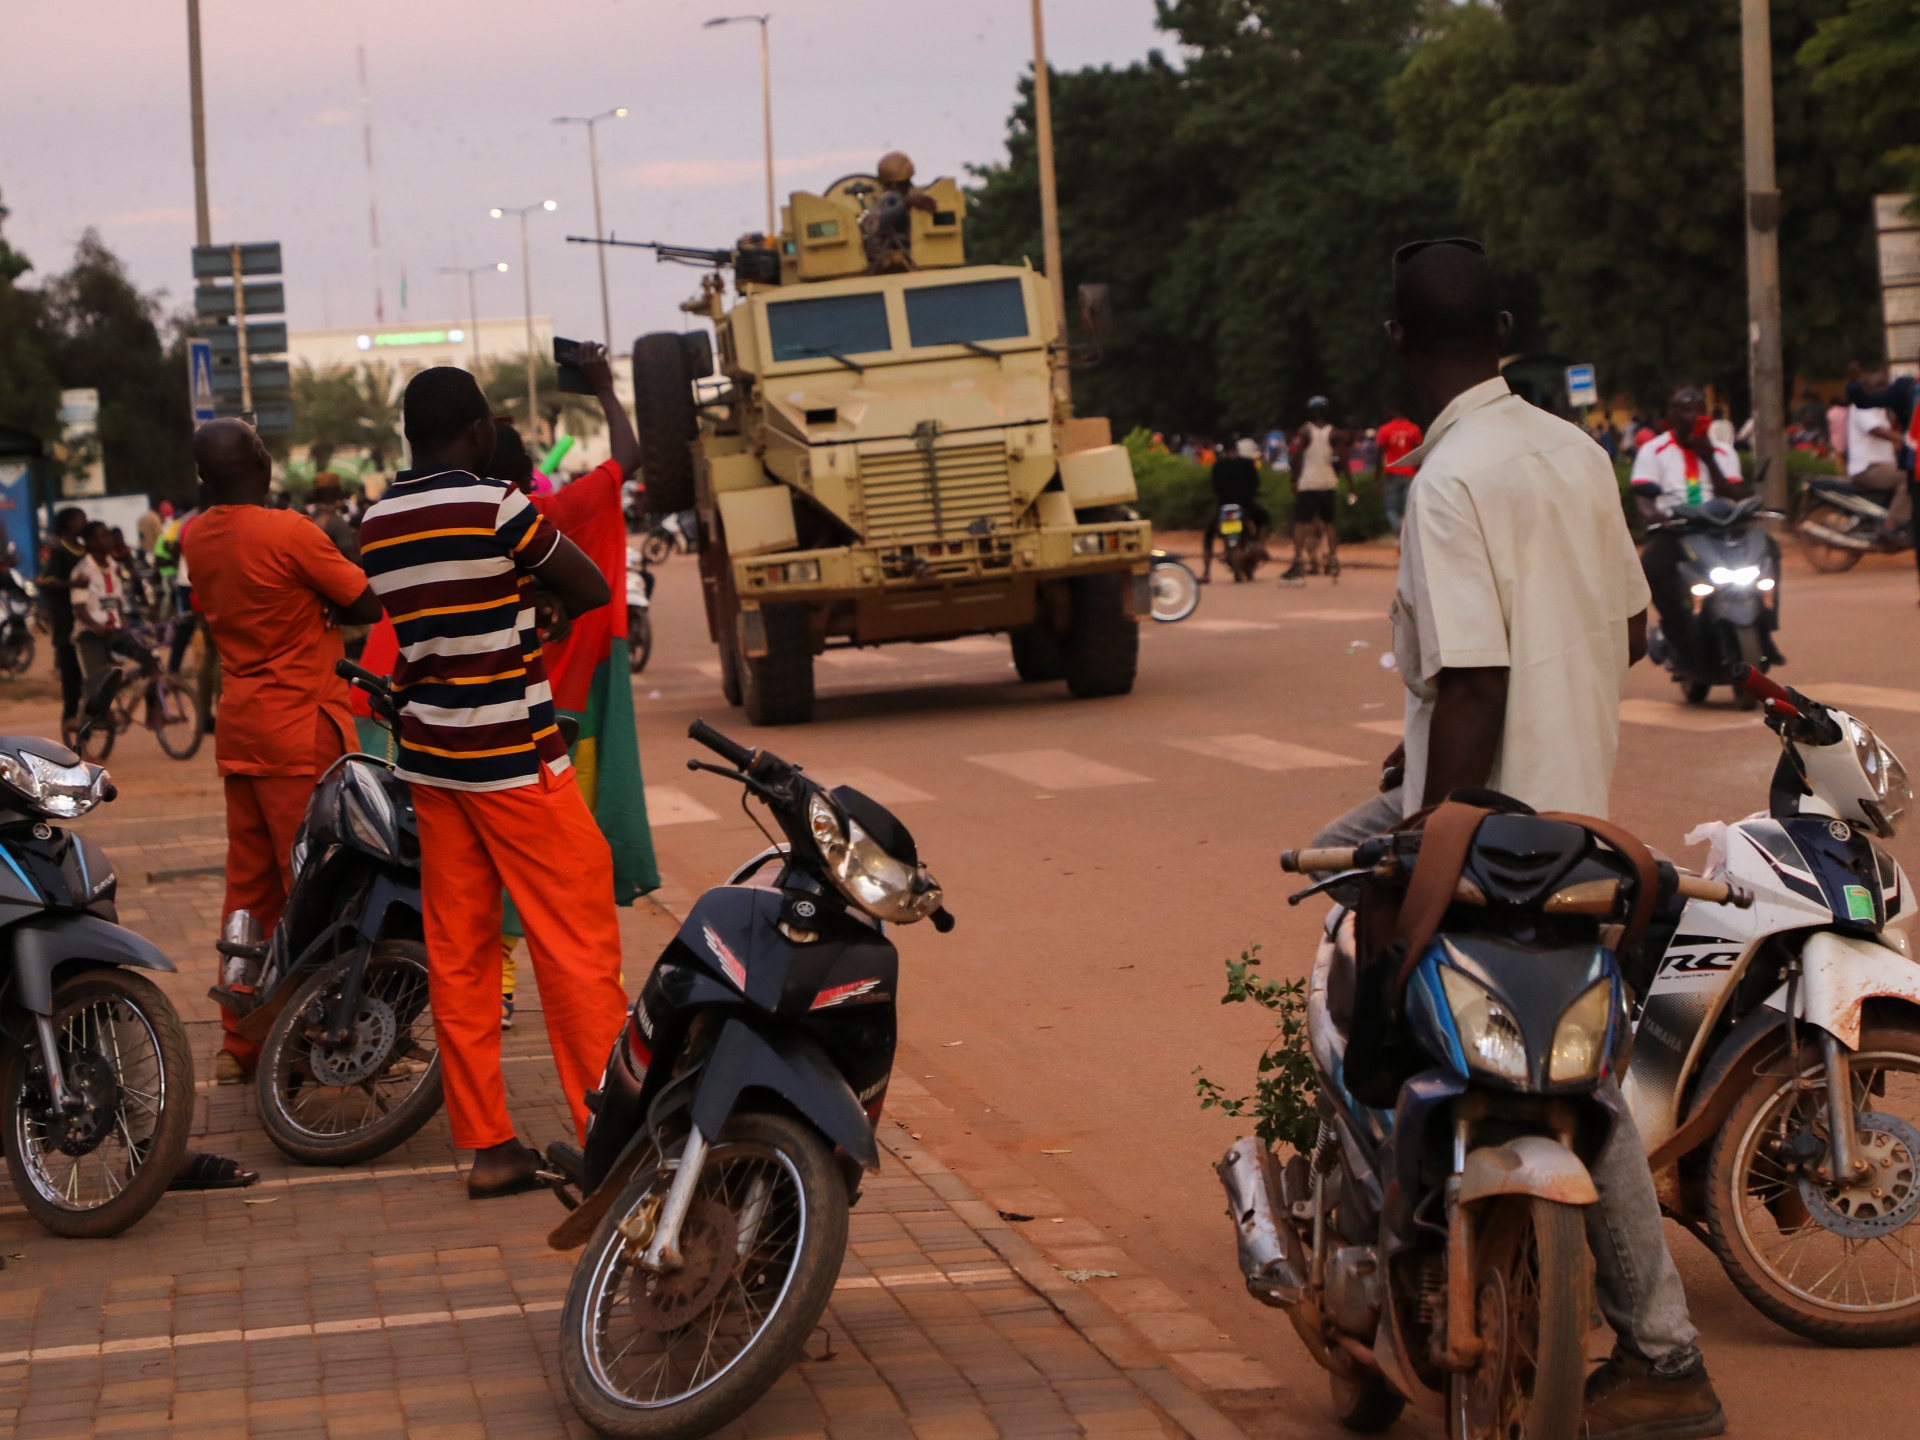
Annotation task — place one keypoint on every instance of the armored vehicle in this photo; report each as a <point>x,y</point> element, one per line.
<point>886,453</point>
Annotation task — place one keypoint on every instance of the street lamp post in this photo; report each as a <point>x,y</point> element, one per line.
<point>1050,209</point>
<point>1765,365</point>
<point>599,231</point>
<point>766,100</point>
<point>500,212</point>
<point>473,305</point>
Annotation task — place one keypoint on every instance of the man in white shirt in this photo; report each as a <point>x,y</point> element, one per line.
<point>1683,467</point>
<point>99,612</point>
<point>1520,607</point>
<point>1873,446</point>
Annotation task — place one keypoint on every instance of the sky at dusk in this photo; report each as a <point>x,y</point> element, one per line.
<point>95,132</point>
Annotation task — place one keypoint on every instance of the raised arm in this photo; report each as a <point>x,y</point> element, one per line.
<point>599,372</point>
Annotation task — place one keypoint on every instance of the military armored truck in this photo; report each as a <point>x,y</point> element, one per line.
<point>885,454</point>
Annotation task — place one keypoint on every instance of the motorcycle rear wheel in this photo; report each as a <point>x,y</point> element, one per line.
<point>1533,1293</point>
<point>1857,1292</point>
<point>1828,559</point>
<point>17,658</point>
<point>639,639</point>
<point>322,1124</point>
<point>657,549</point>
<point>632,1375</point>
<point>1365,1406</point>
<point>1176,594</point>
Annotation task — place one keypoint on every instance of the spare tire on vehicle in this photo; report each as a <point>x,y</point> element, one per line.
<point>666,419</point>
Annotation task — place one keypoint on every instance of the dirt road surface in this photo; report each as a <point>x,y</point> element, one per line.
<point>1105,857</point>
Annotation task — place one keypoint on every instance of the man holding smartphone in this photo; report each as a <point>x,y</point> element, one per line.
<point>1685,466</point>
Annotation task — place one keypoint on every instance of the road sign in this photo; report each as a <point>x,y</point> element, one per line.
<point>215,262</point>
<point>269,337</point>
<point>215,302</point>
<point>1581,387</point>
<point>200,381</point>
<point>270,378</point>
<point>270,417</point>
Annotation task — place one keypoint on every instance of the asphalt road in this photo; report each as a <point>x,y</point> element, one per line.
<point>1105,857</point>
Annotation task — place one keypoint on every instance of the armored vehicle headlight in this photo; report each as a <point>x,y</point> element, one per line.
<point>1489,1034</point>
<point>1579,1040</point>
<point>885,887</point>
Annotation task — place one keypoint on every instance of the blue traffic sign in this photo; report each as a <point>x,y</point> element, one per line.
<point>1581,386</point>
<point>200,381</point>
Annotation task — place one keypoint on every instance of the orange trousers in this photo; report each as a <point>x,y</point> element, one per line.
<point>541,843</point>
<point>263,812</point>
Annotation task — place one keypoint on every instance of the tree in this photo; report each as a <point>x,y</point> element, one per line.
<point>326,410</point>
<point>505,383</point>
<point>379,413</point>
<point>29,390</point>
<point>1597,144</point>
<point>1864,63</point>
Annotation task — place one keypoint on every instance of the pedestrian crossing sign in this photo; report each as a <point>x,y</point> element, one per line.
<point>200,380</point>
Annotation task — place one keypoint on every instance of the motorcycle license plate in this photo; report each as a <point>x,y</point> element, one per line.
<point>1229,527</point>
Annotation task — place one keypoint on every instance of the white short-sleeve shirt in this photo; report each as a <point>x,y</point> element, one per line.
<point>1514,553</point>
<point>1664,461</point>
<point>1864,448</point>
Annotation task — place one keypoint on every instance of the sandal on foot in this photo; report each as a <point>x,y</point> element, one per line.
<point>201,1171</point>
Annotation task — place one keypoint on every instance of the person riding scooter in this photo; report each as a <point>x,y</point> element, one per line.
<point>1685,466</point>
<point>1236,481</point>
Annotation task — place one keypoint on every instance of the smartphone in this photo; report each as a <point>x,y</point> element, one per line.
<point>566,357</point>
<point>1701,424</point>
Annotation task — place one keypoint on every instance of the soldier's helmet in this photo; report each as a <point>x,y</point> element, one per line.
<point>895,168</point>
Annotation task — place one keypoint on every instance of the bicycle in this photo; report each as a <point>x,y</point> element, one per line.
<point>172,708</point>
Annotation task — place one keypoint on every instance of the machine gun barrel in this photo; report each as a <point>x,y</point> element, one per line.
<point>679,254</point>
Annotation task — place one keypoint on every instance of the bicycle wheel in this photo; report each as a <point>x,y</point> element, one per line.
<point>176,717</point>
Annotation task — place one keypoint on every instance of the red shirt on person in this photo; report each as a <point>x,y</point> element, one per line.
<point>1399,436</point>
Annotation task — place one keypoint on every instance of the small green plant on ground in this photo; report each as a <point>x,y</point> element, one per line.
<point>1281,1105</point>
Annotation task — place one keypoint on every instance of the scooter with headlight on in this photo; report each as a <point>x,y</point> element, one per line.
<point>736,1115</point>
<point>98,1094</point>
<point>1732,575</point>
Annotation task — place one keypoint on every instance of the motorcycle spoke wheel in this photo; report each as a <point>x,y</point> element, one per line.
<point>1835,1263</point>
<point>1176,594</point>
<point>1532,1300</point>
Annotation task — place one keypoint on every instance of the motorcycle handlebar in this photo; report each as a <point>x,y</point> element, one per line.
<point>365,679</point>
<point>1746,678</point>
<point>1304,862</point>
<point>734,753</point>
<point>1714,892</point>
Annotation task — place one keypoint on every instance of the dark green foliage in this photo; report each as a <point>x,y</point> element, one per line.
<point>1866,64</point>
<point>1282,1105</point>
<point>1597,145</point>
<point>29,392</point>
<point>1175,493</point>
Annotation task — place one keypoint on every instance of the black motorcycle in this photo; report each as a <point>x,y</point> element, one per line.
<point>18,596</point>
<point>737,1115</point>
<point>349,1066</point>
<point>1733,577</point>
<point>98,1094</point>
<point>1243,541</point>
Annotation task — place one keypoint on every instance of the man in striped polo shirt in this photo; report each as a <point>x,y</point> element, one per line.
<point>463,564</point>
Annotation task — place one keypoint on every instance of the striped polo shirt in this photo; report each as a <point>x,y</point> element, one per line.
<point>448,553</point>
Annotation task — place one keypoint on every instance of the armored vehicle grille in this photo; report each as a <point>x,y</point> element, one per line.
<point>898,489</point>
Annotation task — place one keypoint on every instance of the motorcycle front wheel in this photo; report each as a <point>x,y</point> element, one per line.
<point>672,1357</point>
<point>124,1051</point>
<point>1825,557</point>
<point>17,657</point>
<point>656,548</point>
<point>1835,1263</point>
<point>344,1104</point>
<point>639,638</point>
<point>1532,1294</point>
<point>1176,594</point>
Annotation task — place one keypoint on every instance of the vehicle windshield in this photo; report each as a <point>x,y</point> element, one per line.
<point>957,314</point>
<point>830,325</point>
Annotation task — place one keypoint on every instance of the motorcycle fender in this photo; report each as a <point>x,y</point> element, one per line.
<point>43,945</point>
<point>1531,1165</point>
<point>794,1067</point>
<point>1752,1043</point>
<point>1839,974</point>
<point>384,894</point>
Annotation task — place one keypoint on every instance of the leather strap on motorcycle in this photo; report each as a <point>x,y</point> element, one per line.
<point>1632,849</point>
<point>1445,841</point>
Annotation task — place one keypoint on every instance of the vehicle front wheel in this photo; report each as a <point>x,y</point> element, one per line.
<point>1101,653</point>
<point>124,1052</point>
<point>1832,1262</point>
<point>1176,594</point>
<point>777,688</point>
<point>1824,556</point>
<point>671,1357</point>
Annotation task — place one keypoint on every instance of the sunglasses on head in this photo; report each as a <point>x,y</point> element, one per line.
<point>1412,248</point>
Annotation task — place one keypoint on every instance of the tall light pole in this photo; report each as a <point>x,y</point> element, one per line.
<point>766,101</point>
<point>500,212</point>
<point>473,305</point>
<point>203,224</point>
<point>1050,208</point>
<point>599,232</point>
<point>1765,365</point>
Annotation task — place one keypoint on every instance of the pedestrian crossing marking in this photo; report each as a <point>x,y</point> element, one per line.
<point>1696,718</point>
<point>1867,697</point>
<point>1057,769</point>
<point>670,805</point>
<point>1228,627</point>
<point>1333,614</point>
<point>1396,728</point>
<point>851,659</point>
<point>875,784</point>
<point>970,645</point>
<point>1257,752</point>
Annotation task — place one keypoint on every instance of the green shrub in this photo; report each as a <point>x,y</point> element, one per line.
<point>1282,1105</point>
<point>1177,494</point>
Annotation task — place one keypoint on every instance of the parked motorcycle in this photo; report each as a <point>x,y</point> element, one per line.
<point>17,598</point>
<point>1776,1057</point>
<point>98,1078</point>
<point>1243,544</point>
<point>736,1116</point>
<point>668,535</point>
<point>1838,523</point>
<point>349,1066</point>
<point>1433,1250</point>
<point>639,611</point>
<point>1176,593</point>
<point>1734,579</point>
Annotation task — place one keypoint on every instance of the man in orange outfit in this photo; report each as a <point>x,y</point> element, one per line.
<point>463,564</point>
<point>274,591</point>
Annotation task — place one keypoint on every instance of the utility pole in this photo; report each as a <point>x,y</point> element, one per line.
<point>203,224</point>
<point>766,101</point>
<point>599,229</point>
<point>526,291</point>
<point>1050,211</point>
<point>373,205</point>
<point>1765,365</point>
<point>473,304</point>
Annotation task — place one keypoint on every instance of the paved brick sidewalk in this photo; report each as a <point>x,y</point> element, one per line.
<point>383,1302</point>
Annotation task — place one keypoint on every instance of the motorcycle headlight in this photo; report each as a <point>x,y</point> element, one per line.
<point>1489,1033</point>
<point>297,861</point>
<point>62,791</point>
<point>1886,777</point>
<point>1580,1039</point>
<point>1744,575</point>
<point>363,799</point>
<point>885,887</point>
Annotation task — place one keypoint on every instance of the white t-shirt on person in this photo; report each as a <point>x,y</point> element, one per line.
<point>1316,460</point>
<point>1514,553</point>
<point>101,597</point>
<point>1679,472</point>
<point>1864,448</point>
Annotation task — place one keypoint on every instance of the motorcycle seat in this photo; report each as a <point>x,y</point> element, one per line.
<point>1834,485</point>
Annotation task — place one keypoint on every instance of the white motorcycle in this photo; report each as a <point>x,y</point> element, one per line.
<point>1775,1072</point>
<point>639,611</point>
